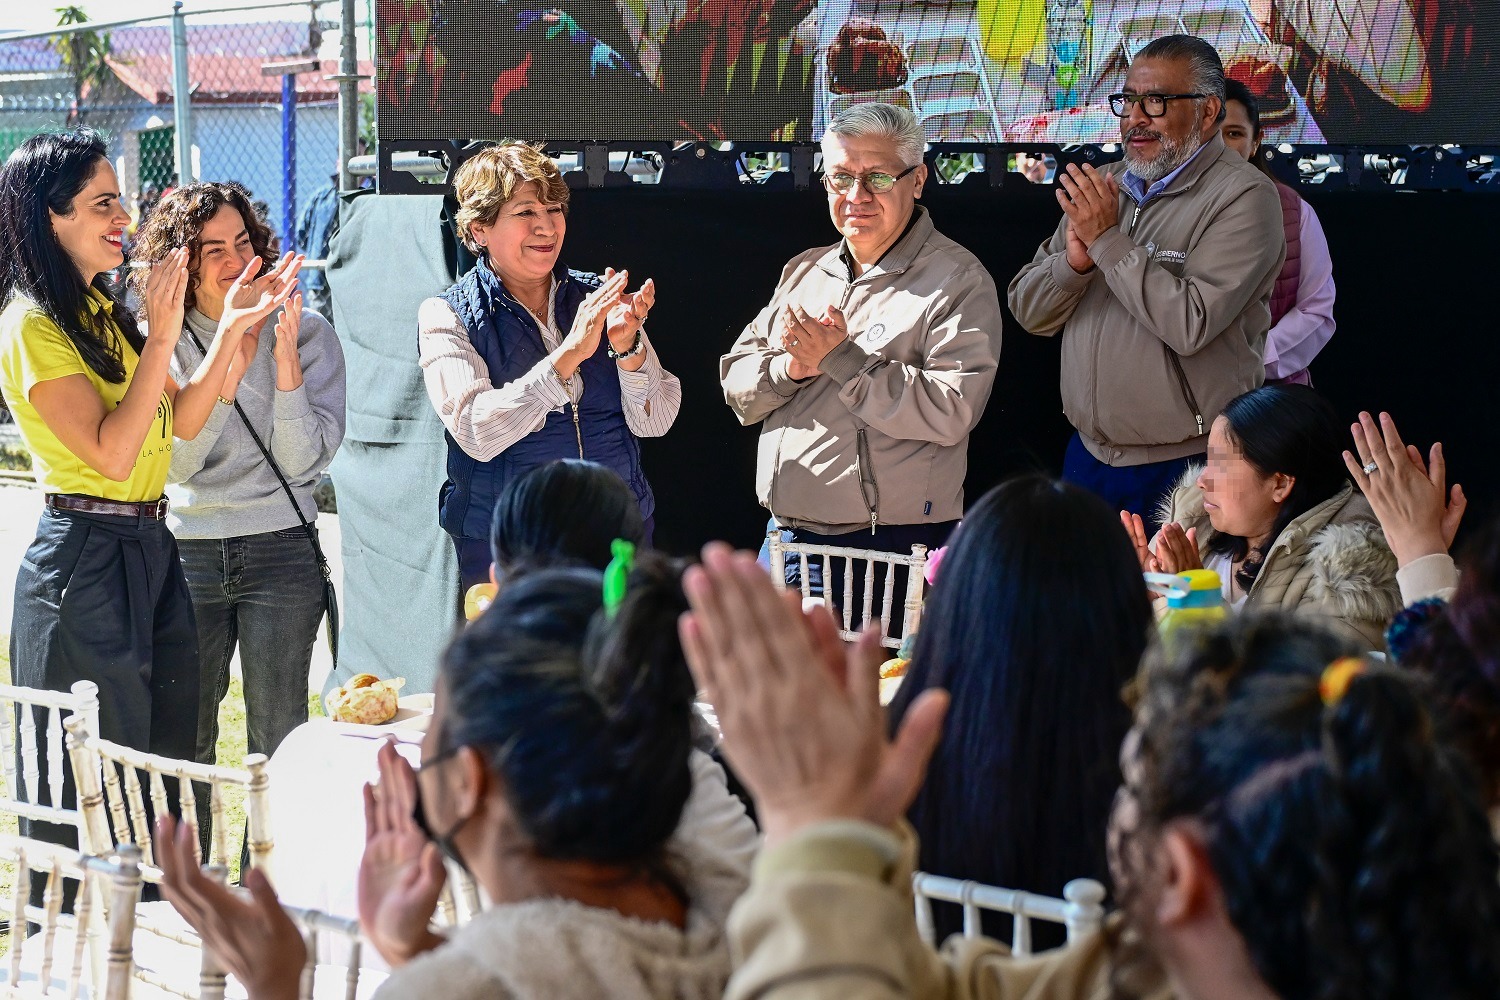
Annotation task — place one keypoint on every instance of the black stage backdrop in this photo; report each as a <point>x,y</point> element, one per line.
<point>1415,314</point>
<point>1416,311</point>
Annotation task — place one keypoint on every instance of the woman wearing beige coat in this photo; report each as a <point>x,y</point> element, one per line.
<point>1276,515</point>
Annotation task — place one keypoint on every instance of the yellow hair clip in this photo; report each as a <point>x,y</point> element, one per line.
<point>1337,677</point>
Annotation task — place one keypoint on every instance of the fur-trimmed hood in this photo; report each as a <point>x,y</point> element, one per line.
<point>1333,561</point>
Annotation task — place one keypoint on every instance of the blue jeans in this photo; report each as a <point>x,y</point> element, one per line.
<point>263,593</point>
<point>1136,488</point>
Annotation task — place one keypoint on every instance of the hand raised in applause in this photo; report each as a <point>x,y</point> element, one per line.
<point>807,339</point>
<point>1417,511</point>
<point>1091,200</point>
<point>166,288</point>
<point>401,873</point>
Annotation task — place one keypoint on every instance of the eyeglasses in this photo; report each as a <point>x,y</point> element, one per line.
<point>875,182</point>
<point>1155,105</point>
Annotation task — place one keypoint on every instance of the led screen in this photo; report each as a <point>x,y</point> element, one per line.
<point>1334,71</point>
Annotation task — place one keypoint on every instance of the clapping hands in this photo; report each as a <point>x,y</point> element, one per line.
<point>808,338</point>
<point>255,939</point>
<point>1418,513</point>
<point>251,299</point>
<point>1175,551</point>
<point>800,714</point>
<point>401,873</point>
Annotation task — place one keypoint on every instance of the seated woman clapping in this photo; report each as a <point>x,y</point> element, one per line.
<point>1292,822</point>
<point>1277,517</point>
<point>557,769</point>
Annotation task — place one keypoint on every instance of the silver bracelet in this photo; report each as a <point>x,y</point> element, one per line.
<point>636,348</point>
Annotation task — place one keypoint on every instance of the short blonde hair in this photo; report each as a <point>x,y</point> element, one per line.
<point>487,180</point>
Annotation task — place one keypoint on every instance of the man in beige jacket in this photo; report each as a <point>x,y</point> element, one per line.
<point>1159,278</point>
<point>873,360</point>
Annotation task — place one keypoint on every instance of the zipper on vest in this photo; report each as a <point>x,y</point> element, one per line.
<point>578,430</point>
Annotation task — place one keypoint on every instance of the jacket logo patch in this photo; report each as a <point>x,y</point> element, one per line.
<point>876,336</point>
<point>1169,257</point>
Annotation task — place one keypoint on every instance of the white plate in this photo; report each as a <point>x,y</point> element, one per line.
<point>412,715</point>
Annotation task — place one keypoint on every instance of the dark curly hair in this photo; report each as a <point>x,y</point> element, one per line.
<point>1459,652</point>
<point>178,220</point>
<point>1349,839</point>
<point>44,175</point>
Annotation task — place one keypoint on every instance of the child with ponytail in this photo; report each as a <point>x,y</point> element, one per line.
<point>559,770</point>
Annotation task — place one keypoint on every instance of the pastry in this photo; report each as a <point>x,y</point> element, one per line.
<point>364,699</point>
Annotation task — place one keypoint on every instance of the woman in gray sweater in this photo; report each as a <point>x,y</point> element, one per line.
<point>252,572</point>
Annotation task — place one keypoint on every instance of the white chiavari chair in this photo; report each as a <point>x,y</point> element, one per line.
<point>25,791</point>
<point>71,953</point>
<point>115,783</point>
<point>1081,910</point>
<point>872,608</point>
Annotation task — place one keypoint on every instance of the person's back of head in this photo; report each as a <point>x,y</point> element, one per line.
<point>1346,842</point>
<point>1037,620</point>
<point>585,716</point>
<point>563,513</point>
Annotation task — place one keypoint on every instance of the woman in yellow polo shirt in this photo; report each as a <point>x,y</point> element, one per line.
<point>100,594</point>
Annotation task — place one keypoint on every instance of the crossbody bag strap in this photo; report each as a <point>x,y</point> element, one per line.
<point>330,602</point>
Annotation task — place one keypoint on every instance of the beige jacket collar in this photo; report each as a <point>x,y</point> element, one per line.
<point>901,255</point>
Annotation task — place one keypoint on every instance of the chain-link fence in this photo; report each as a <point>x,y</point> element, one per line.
<point>263,109</point>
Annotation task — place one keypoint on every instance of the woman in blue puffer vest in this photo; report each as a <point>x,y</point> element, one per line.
<point>527,362</point>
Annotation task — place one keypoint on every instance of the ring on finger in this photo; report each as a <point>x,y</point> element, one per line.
<point>1371,468</point>
<point>795,342</point>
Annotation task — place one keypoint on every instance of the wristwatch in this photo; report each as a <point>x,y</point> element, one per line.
<point>636,348</point>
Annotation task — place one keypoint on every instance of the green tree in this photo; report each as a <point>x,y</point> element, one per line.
<point>84,54</point>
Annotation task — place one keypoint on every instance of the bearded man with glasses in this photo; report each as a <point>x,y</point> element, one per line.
<point>873,360</point>
<point>1159,276</point>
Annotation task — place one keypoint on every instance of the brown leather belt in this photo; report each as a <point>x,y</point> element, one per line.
<point>156,510</point>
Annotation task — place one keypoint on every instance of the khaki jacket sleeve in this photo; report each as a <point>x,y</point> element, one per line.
<point>1044,294</point>
<point>754,374</point>
<point>1225,269</point>
<point>941,399</point>
<point>828,916</point>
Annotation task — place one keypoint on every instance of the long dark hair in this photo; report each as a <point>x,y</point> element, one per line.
<point>1036,622</point>
<point>586,717</point>
<point>564,512</point>
<point>1292,430</point>
<point>1347,834</point>
<point>45,174</point>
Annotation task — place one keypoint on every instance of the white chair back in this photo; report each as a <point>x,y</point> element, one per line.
<point>113,800</point>
<point>103,918</point>
<point>1081,910</point>
<point>316,925</point>
<point>24,791</point>
<point>830,557</point>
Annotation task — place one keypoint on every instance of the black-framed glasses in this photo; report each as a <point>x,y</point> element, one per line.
<point>1154,105</point>
<point>875,182</point>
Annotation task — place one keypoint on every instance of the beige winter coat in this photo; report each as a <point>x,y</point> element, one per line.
<point>829,916</point>
<point>544,949</point>
<point>1331,563</point>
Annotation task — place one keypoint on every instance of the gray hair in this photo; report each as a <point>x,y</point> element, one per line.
<point>1203,62</point>
<point>886,121</point>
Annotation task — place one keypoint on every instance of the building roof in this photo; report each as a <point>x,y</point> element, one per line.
<point>224,61</point>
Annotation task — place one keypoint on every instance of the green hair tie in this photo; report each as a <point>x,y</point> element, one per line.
<point>617,573</point>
